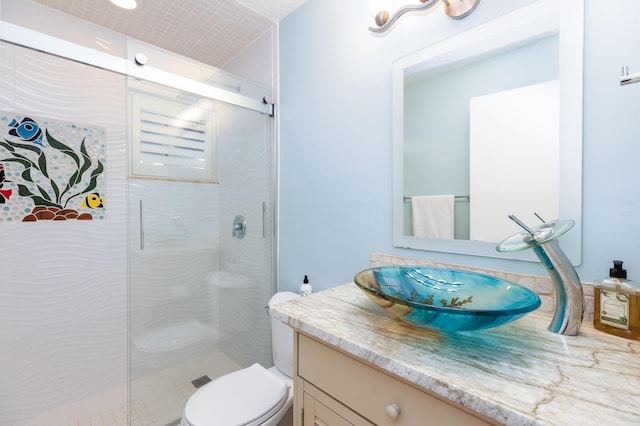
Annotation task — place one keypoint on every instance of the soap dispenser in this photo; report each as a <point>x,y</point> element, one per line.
<point>617,304</point>
<point>305,288</point>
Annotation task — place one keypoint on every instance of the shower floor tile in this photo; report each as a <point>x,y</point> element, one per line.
<point>156,400</point>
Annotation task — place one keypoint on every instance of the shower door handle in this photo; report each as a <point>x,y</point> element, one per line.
<point>141,228</point>
<point>264,219</point>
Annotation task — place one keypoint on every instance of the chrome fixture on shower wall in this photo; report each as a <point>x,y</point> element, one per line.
<point>385,15</point>
<point>239,228</point>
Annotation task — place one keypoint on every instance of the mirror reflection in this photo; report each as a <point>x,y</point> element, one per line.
<point>488,123</point>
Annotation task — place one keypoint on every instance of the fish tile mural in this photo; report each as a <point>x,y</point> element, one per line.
<point>50,170</point>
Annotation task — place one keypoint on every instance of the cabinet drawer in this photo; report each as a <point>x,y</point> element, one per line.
<point>371,393</point>
<point>322,410</point>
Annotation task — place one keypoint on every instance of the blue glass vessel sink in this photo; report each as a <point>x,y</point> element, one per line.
<point>447,300</point>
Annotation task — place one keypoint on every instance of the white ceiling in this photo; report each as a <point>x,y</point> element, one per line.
<point>209,31</point>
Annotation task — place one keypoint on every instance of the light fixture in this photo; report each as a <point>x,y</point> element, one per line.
<point>125,4</point>
<point>385,17</point>
<point>380,10</point>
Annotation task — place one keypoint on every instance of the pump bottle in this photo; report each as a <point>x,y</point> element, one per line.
<point>617,304</point>
<point>305,288</point>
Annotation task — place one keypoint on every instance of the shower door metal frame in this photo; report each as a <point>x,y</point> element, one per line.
<point>24,37</point>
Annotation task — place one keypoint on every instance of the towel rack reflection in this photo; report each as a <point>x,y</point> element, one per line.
<point>455,197</point>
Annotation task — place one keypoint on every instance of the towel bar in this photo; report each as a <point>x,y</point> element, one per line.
<point>456,197</point>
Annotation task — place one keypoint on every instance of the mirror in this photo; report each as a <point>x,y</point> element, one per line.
<point>491,118</point>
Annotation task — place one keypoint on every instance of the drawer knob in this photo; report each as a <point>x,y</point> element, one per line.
<point>393,411</point>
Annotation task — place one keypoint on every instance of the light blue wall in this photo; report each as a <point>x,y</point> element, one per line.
<point>335,138</point>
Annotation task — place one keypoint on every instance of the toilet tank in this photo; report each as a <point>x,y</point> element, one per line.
<point>282,337</point>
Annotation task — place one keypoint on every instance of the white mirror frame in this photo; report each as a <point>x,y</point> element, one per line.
<point>535,19</point>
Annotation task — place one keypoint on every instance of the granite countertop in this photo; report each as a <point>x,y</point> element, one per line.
<point>518,374</point>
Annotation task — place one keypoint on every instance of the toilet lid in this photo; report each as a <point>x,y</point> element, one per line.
<point>244,397</point>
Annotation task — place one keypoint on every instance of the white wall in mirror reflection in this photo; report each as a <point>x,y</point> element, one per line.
<point>437,124</point>
<point>514,165</point>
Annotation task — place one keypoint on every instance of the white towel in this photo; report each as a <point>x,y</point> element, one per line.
<point>433,216</point>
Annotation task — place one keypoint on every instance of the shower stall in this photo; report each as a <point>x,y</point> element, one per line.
<point>117,319</point>
<point>200,254</point>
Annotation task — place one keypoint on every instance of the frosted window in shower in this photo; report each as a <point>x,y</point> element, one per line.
<point>172,139</point>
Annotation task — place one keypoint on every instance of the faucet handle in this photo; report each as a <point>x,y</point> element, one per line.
<point>539,217</point>
<point>521,224</point>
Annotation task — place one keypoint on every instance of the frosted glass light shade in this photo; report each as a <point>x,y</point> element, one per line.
<point>125,4</point>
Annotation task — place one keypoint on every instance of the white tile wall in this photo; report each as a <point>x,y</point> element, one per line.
<point>63,294</point>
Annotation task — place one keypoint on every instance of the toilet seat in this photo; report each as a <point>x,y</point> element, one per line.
<point>245,397</point>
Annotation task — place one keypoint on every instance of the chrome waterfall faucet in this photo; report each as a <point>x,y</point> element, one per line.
<point>543,240</point>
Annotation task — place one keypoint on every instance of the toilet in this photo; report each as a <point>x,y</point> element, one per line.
<point>254,395</point>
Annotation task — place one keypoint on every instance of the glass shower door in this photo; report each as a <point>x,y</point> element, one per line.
<point>196,290</point>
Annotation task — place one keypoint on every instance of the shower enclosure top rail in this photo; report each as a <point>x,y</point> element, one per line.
<point>20,36</point>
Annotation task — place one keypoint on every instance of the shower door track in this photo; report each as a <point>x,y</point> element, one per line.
<point>17,35</point>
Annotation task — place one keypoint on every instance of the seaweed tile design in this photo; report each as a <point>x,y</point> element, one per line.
<point>50,170</point>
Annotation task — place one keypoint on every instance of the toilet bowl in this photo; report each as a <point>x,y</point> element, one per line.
<point>252,396</point>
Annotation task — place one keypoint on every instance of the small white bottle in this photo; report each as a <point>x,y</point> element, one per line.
<point>305,288</point>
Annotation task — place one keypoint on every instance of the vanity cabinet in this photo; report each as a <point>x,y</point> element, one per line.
<point>333,389</point>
